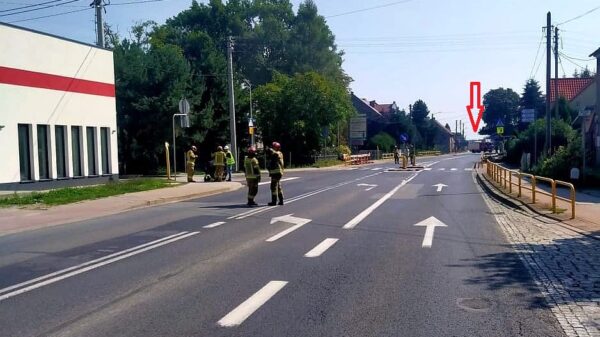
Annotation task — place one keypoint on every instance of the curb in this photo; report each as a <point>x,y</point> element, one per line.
<point>512,202</point>
<point>143,204</point>
<point>187,197</point>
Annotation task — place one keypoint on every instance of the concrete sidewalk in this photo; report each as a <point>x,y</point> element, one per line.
<point>13,220</point>
<point>587,213</point>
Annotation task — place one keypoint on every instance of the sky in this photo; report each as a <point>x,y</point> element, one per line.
<point>397,51</point>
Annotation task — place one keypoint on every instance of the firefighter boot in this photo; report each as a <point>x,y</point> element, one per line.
<point>281,200</point>
<point>273,201</point>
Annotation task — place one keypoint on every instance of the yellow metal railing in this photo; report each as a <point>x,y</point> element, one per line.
<point>504,178</point>
<point>387,156</point>
<point>428,153</point>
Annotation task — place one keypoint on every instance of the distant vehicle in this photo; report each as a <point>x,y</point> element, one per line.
<point>477,146</point>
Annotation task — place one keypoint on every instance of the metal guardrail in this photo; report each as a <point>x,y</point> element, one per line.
<point>504,177</point>
<point>357,159</point>
<point>387,156</point>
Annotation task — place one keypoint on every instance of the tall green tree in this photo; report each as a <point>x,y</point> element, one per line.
<point>295,110</point>
<point>532,97</point>
<point>500,105</point>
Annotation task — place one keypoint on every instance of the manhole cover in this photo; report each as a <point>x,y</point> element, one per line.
<point>474,304</point>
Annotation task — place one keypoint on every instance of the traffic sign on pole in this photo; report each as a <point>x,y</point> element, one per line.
<point>184,106</point>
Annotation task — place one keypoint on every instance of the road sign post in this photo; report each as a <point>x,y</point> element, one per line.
<point>184,110</point>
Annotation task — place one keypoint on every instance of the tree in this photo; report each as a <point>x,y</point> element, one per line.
<point>383,141</point>
<point>565,112</point>
<point>149,82</point>
<point>586,73</point>
<point>296,110</point>
<point>500,105</point>
<point>420,111</point>
<point>532,97</point>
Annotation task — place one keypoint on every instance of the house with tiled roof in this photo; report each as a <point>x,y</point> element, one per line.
<point>385,109</point>
<point>579,92</point>
<point>444,140</point>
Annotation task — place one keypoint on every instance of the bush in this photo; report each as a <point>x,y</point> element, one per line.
<point>558,166</point>
<point>384,141</point>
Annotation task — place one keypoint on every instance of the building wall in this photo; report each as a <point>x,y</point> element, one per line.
<point>585,99</point>
<point>46,80</point>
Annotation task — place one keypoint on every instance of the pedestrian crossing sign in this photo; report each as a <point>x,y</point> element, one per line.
<point>500,130</point>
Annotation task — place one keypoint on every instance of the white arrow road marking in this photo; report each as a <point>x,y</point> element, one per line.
<point>439,186</point>
<point>282,180</point>
<point>357,219</point>
<point>321,247</point>
<point>91,265</point>
<point>238,315</point>
<point>370,186</point>
<point>216,224</point>
<point>431,223</point>
<point>299,222</point>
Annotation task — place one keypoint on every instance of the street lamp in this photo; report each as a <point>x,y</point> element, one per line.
<point>251,122</point>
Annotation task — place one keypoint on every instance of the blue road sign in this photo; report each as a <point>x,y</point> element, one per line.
<point>499,123</point>
<point>404,137</point>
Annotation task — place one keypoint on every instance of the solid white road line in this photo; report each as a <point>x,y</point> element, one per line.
<point>92,267</point>
<point>284,233</point>
<point>321,247</point>
<point>238,315</point>
<point>352,223</point>
<point>282,180</point>
<point>37,279</point>
<point>216,224</point>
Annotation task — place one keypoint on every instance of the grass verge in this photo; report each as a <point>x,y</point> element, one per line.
<point>69,195</point>
<point>327,163</point>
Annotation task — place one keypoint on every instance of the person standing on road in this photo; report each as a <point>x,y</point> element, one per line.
<point>252,171</point>
<point>275,163</point>
<point>191,163</point>
<point>396,155</point>
<point>230,161</point>
<point>219,162</point>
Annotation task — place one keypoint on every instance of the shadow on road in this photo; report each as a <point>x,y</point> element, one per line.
<point>571,266</point>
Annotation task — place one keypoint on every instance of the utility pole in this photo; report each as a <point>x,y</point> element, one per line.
<point>231,100</point>
<point>99,5</point>
<point>556,95</point>
<point>547,143</point>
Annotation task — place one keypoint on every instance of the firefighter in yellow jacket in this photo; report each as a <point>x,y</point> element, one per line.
<point>191,164</point>
<point>275,163</point>
<point>252,171</point>
<point>219,162</point>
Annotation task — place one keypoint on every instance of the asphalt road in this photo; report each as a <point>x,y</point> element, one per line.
<point>343,257</point>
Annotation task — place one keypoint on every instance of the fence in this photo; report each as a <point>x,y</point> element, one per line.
<point>357,159</point>
<point>504,177</point>
<point>428,153</point>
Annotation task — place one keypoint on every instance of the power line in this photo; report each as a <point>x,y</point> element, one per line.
<point>580,16</point>
<point>539,64</point>
<point>536,55</point>
<point>29,6</point>
<point>39,8</point>
<point>578,59</point>
<point>51,15</point>
<point>571,61</point>
<point>133,2</point>
<point>368,9</point>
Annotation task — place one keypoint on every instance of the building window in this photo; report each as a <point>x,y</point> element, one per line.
<point>76,150</point>
<point>25,151</point>
<point>104,146</point>
<point>61,151</point>
<point>43,156</point>
<point>91,150</point>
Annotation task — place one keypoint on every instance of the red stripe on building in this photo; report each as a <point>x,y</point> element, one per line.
<point>54,82</point>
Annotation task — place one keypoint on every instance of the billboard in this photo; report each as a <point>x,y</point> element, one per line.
<point>358,130</point>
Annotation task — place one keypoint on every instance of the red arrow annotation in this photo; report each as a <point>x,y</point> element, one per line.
<point>475,92</point>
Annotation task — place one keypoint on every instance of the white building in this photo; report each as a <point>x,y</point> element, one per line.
<point>57,111</point>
